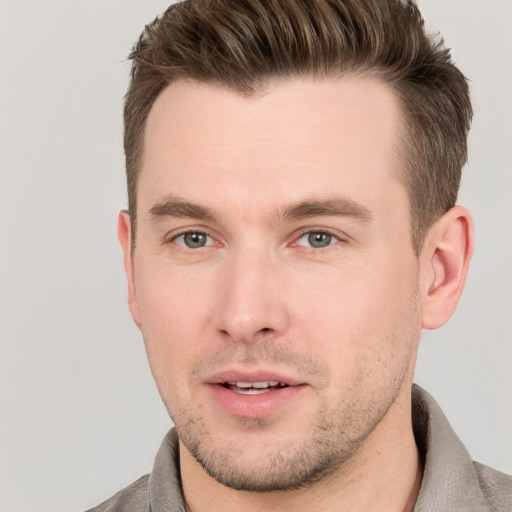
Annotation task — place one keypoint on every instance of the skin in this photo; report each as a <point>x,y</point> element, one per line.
<point>258,178</point>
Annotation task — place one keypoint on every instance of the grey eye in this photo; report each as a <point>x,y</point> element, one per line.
<point>193,239</point>
<point>318,239</point>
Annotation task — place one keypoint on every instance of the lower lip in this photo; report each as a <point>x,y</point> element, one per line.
<point>254,406</point>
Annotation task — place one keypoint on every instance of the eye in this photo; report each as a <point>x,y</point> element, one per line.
<point>317,239</point>
<point>193,239</point>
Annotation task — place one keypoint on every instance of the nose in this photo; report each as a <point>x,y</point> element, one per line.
<point>251,302</point>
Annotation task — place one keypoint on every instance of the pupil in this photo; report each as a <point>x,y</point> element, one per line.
<point>194,240</point>
<point>319,239</point>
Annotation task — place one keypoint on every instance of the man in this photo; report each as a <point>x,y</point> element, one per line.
<point>293,169</point>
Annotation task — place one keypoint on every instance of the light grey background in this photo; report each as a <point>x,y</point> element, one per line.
<point>80,416</point>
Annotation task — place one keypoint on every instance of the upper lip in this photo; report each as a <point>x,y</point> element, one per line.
<point>259,375</point>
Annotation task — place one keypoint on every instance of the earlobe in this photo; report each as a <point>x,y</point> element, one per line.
<point>446,258</point>
<point>124,234</point>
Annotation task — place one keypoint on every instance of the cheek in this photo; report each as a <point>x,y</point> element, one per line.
<point>171,299</point>
<point>174,318</point>
<point>349,312</point>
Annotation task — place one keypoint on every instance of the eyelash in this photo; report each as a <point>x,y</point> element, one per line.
<point>174,239</point>
<point>318,231</point>
<point>193,232</point>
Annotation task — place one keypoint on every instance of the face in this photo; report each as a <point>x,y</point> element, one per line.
<point>274,278</point>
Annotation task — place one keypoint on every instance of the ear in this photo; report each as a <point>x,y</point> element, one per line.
<point>445,260</point>
<point>125,237</point>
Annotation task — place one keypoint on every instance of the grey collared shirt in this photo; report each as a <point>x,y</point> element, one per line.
<point>451,480</point>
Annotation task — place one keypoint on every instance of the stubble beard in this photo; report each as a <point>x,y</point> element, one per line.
<point>287,467</point>
<point>330,442</point>
<point>332,439</point>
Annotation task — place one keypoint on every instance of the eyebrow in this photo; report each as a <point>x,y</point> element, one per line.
<point>336,207</point>
<point>174,206</point>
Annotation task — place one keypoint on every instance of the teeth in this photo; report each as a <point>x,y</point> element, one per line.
<point>255,388</point>
<point>257,385</point>
<point>251,391</point>
<point>261,385</point>
<point>242,384</point>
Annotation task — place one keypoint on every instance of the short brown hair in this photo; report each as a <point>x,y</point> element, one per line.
<point>244,44</point>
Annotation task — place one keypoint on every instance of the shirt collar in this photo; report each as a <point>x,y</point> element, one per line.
<point>449,480</point>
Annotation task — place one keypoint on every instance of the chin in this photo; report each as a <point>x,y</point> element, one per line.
<point>258,458</point>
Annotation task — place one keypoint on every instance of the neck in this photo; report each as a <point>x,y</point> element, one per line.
<point>383,475</point>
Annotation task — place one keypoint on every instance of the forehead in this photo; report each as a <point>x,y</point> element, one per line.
<point>202,141</point>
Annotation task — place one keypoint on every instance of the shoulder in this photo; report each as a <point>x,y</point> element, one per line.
<point>134,498</point>
<point>160,490</point>
<point>496,487</point>
<point>451,479</point>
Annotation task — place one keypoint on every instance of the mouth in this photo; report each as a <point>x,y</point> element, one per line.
<point>254,388</point>
<point>254,394</point>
